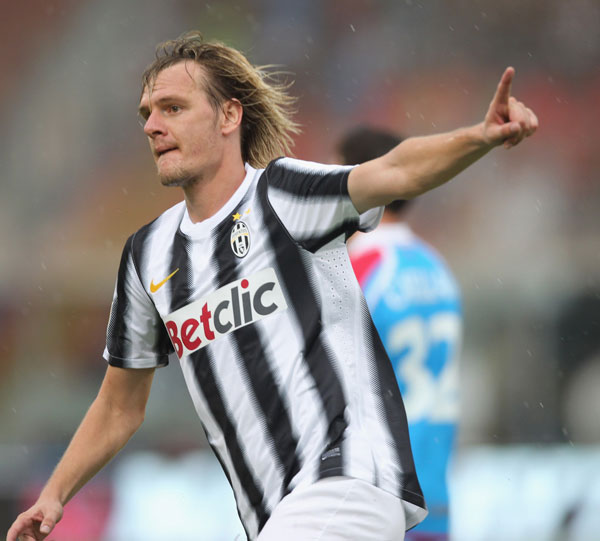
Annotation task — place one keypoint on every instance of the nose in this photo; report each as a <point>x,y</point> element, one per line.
<point>154,125</point>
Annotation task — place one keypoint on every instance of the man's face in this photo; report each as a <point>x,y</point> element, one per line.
<point>181,125</point>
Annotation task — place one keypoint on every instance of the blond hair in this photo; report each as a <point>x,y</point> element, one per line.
<point>267,124</point>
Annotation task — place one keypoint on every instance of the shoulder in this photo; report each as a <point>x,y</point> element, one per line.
<point>303,177</point>
<point>429,252</point>
<point>167,223</point>
<point>303,167</point>
<point>428,259</point>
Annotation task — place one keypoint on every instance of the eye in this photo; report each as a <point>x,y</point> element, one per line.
<point>173,109</point>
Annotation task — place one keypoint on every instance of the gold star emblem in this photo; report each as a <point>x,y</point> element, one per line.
<point>236,216</point>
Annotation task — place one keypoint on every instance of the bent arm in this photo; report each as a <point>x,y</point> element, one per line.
<point>415,166</point>
<point>419,164</point>
<point>114,416</point>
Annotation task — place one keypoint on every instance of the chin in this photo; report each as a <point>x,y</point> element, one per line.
<point>178,179</point>
<point>177,182</point>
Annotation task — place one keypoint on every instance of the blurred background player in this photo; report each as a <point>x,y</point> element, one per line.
<point>416,307</point>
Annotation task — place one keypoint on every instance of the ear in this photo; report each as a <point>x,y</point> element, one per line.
<point>232,116</point>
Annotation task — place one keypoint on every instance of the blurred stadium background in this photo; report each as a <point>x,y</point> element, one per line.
<point>520,229</point>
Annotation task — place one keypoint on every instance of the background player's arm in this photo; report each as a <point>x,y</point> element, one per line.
<point>419,164</point>
<point>114,416</point>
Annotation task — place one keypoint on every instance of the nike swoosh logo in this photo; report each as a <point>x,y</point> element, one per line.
<point>155,287</point>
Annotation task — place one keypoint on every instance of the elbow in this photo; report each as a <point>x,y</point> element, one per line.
<point>126,420</point>
<point>406,185</point>
<point>134,419</point>
<point>126,425</point>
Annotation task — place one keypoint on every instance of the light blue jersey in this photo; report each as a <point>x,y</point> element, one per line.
<point>415,304</point>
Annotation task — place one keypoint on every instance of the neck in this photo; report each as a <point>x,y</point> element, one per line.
<point>205,197</point>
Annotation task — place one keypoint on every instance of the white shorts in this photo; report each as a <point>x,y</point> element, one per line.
<point>337,509</point>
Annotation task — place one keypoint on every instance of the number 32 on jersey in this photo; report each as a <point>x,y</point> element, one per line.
<point>424,353</point>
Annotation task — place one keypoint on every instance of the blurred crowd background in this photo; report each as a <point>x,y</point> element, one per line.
<point>520,230</point>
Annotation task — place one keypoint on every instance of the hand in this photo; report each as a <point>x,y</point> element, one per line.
<point>37,522</point>
<point>507,120</point>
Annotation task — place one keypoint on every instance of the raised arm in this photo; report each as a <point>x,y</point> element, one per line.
<point>419,164</point>
<point>114,416</point>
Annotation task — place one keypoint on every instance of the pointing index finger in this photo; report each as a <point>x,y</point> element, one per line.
<point>503,90</point>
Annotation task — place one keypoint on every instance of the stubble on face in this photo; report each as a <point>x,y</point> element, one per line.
<point>178,178</point>
<point>182,175</point>
<point>190,160</point>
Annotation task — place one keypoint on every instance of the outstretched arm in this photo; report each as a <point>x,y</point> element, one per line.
<point>116,413</point>
<point>419,164</point>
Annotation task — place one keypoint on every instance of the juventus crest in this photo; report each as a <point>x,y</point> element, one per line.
<point>240,239</point>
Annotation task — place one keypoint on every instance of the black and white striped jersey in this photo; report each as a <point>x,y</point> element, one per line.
<point>285,368</point>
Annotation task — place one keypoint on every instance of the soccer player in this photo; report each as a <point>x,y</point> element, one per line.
<point>415,304</point>
<point>248,282</point>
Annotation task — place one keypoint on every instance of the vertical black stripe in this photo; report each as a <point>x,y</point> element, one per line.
<point>262,520</point>
<point>308,312</point>
<point>162,343</point>
<point>207,382</point>
<point>395,415</point>
<point>256,367</point>
<point>181,295</point>
<point>116,335</point>
<point>181,289</point>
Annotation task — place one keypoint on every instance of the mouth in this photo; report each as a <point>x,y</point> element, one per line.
<point>159,152</point>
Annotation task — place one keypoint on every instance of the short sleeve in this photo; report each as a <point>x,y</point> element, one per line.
<point>313,203</point>
<point>370,219</point>
<point>136,336</point>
